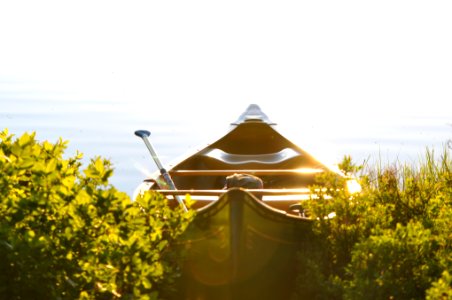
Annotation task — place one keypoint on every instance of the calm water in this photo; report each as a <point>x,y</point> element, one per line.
<point>106,129</point>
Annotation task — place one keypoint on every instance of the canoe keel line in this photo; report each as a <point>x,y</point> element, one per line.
<point>241,249</point>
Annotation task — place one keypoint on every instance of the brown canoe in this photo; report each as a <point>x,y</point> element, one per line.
<point>243,243</point>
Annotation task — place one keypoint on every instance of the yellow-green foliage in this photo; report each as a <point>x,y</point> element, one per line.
<point>65,233</point>
<point>391,241</point>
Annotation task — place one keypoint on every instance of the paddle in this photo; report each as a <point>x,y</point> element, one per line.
<point>144,134</point>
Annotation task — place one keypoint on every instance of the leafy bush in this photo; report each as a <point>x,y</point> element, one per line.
<point>441,289</point>
<point>65,233</point>
<point>391,241</point>
<point>397,263</point>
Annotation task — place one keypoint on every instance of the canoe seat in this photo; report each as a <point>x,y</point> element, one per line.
<point>239,159</point>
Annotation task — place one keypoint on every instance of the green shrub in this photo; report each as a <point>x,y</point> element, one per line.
<point>396,263</point>
<point>323,261</point>
<point>392,241</point>
<point>66,233</point>
<point>441,289</point>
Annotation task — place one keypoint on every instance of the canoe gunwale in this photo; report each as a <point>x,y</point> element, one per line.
<point>259,206</point>
<point>258,192</point>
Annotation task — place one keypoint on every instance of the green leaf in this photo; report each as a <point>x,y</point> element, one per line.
<point>26,139</point>
<point>50,166</point>
<point>146,283</point>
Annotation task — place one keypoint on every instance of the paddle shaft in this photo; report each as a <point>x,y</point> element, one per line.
<point>144,135</point>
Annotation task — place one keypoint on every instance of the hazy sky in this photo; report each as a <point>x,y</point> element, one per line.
<point>377,54</point>
<point>342,62</point>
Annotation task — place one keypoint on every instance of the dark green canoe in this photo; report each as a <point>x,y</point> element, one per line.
<point>240,248</point>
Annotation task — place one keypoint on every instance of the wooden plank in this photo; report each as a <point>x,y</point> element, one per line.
<point>257,172</point>
<point>263,192</point>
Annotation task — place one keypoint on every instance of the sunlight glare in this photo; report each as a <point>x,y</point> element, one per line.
<point>308,170</point>
<point>353,186</point>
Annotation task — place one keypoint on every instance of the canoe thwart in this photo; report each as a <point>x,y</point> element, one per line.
<point>257,172</point>
<point>263,192</point>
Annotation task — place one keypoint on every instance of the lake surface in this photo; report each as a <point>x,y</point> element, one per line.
<point>107,128</point>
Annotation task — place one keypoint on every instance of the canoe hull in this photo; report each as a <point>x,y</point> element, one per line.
<point>240,248</point>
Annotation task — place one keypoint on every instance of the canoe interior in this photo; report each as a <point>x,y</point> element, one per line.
<point>252,147</point>
<point>247,143</point>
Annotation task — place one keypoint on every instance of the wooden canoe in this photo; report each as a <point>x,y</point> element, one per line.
<point>243,243</point>
<point>252,146</point>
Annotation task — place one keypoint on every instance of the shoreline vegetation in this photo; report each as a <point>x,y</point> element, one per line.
<point>393,240</point>
<point>67,233</point>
